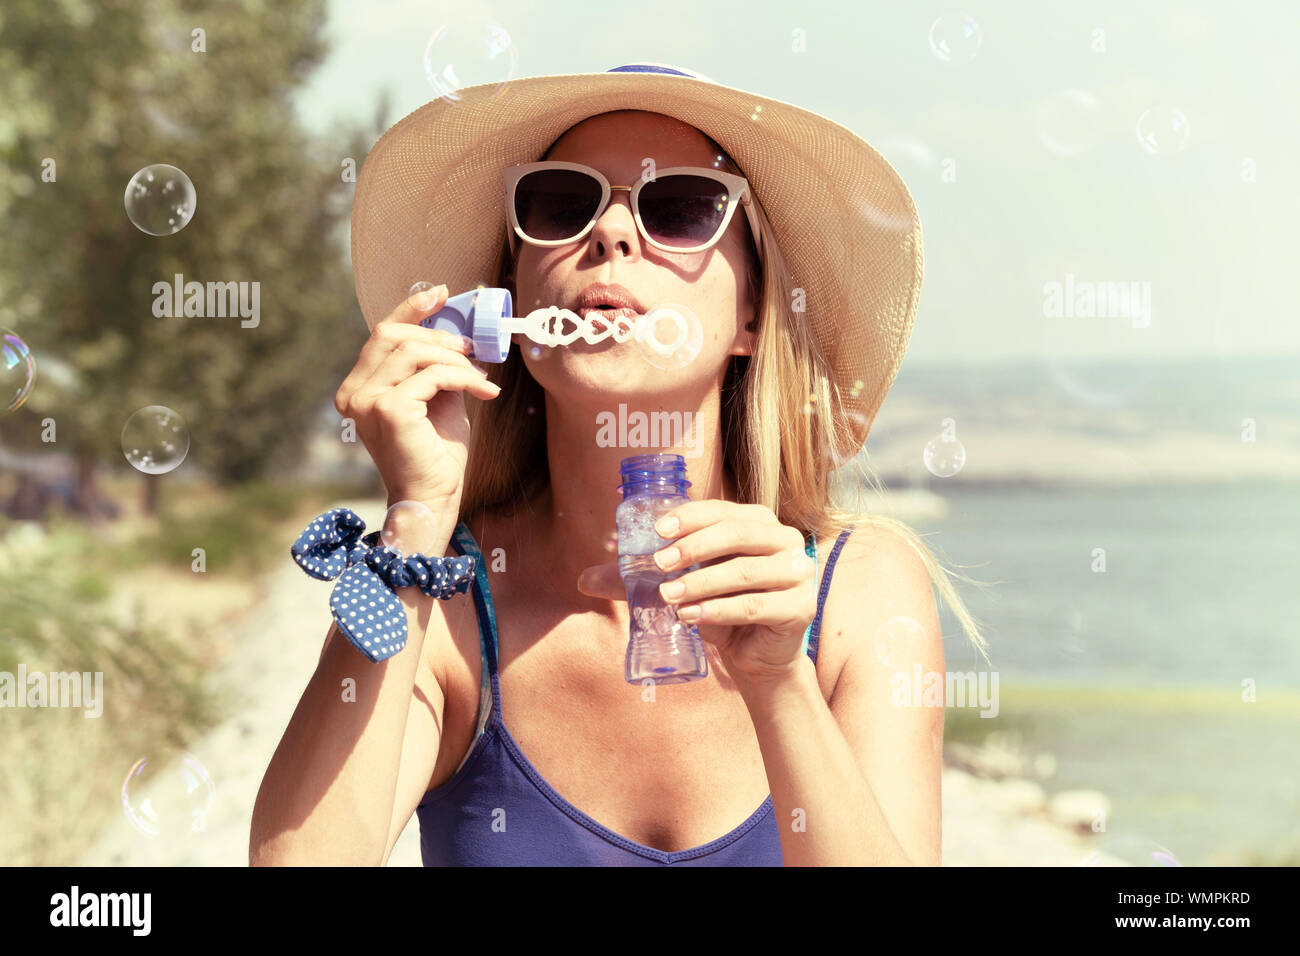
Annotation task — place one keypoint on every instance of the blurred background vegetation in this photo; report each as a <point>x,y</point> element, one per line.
<point>103,89</point>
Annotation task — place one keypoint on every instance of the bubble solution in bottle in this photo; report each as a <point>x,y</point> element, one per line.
<point>661,648</point>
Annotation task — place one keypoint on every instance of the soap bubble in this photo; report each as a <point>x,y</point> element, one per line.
<point>944,457</point>
<point>1072,642</point>
<point>1101,350</point>
<point>421,286</point>
<point>167,800</point>
<point>1162,129</point>
<point>611,542</point>
<point>669,336</point>
<point>955,38</point>
<point>873,210</point>
<point>1138,850</point>
<point>17,370</point>
<point>160,200</point>
<point>155,440</point>
<point>470,51</point>
<point>409,527</point>
<point>899,641</point>
<point>1069,123</point>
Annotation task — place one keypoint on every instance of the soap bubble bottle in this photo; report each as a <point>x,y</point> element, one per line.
<point>661,648</point>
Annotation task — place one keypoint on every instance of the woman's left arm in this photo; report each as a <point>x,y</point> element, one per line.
<point>856,781</point>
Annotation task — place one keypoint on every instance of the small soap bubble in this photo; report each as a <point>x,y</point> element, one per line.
<point>1069,122</point>
<point>1162,129</point>
<point>611,542</point>
<point>160,200</point>
<point>409,526</point>
<point>955,38</point>
<point>470,51</point>
<point>421,286</point>
<point>944,457</point>
<point>169,800</point>
<point>155,440</point>
<point>669,337</point>
<point>856,390</point>
<point>17,370</point>
<point>898,641</point>
<point>531,410</point>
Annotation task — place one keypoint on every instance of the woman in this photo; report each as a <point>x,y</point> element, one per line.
<point>799,721</point>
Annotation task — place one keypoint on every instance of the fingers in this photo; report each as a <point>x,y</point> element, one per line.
<point>425,384</point>
<point>395,351</point>
<point>414,309</point>
<point>399,327</point>
<point>786,569</point>
<point>748,533</point>
<point>410,357</point>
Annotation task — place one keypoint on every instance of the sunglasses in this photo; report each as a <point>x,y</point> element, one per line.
<point>683,209</point>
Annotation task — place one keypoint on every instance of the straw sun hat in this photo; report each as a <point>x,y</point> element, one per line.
<point>430,203</point>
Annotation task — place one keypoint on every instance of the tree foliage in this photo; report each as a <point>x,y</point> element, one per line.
<point>104,89</point>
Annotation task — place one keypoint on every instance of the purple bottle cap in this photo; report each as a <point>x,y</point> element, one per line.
<point>477,315</point>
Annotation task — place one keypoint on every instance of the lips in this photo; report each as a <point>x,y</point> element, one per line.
<point>609,300</point>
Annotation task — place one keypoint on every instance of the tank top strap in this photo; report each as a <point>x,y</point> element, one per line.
<point>489,684</point>
<point>812,635</point>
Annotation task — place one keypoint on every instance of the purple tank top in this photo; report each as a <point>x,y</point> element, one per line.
<point>497,810</point>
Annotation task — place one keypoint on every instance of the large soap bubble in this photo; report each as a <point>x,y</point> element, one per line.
<point>155,440</point>
<point>160,200</point>
<point>17,370</point>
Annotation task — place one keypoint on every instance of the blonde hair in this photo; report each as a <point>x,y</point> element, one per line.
<point>777,444</point>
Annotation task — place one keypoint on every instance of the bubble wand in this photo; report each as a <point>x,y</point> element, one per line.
<point>484,316</point>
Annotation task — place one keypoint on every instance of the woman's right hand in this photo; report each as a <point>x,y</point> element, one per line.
<point>404,393</point>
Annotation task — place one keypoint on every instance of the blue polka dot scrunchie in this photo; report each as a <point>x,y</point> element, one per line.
<point>363,601</point>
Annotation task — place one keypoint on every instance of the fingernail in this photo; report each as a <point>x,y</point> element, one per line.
<point>423,301</point>
<point>672,589</point>
<point>667,526</point>
<point>441,290</point>
<point>668,557</point>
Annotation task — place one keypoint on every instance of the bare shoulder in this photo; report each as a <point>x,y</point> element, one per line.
<point>879,584</point>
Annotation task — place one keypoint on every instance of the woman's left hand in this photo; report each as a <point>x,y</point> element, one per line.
<point>754,595</point>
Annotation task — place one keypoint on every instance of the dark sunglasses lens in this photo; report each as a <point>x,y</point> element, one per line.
<point>683,210</point>
<point>553,204</point>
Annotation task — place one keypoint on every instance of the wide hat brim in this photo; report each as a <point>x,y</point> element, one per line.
<point>430,205</point>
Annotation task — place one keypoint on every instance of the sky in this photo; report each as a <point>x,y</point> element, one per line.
<point>1021,139</point>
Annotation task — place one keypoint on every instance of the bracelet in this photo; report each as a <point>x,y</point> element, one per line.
<point>364,602</point>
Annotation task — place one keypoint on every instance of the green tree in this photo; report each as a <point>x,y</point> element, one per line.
<point>104,89</point>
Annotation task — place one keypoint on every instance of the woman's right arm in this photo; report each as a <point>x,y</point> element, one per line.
<point>362,744</point>
<point>357,755</point>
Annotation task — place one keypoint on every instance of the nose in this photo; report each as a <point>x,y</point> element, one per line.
<point>616,227</point>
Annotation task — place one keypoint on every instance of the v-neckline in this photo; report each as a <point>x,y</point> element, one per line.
<point>497,720</point>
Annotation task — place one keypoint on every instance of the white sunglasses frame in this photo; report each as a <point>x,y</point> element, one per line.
<point>738,189</point>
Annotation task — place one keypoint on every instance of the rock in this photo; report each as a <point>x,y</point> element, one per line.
<point>1077,809</point>
<point>1021,796</point>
